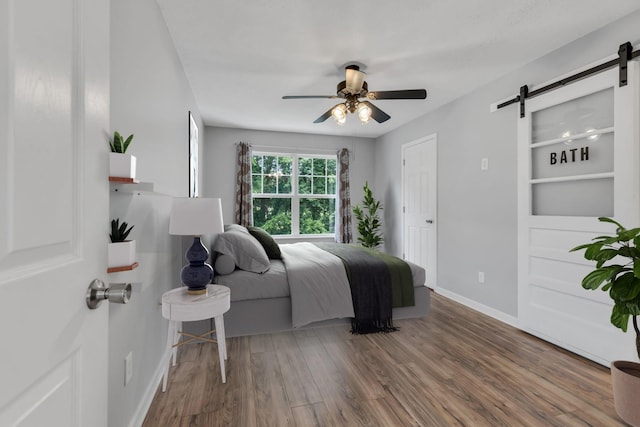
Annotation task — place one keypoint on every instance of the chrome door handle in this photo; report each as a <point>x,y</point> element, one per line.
<point>97,292</point>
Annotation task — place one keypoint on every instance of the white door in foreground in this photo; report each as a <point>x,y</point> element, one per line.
<point>54,204</point>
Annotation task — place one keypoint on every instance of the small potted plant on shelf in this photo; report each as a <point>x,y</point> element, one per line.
<point>121,252</point>
<point>368,220</point>
<point>621,278</point>
<point>121,165</point>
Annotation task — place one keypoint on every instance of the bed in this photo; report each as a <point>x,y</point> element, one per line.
<point>300,285</point>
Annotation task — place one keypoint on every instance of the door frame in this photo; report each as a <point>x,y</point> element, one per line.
<point>428,139</point>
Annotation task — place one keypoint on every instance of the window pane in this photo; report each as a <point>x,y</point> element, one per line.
<point>317,216</point>
<point>269,185</point>
<point>550,198</point>
<point>284,165</point>
<point>284,185</point>
<point>319,185</point>
<point>331,186</point>
<point>331,167</point>
<point>272,214</point>
<point>573,117</point>
<point>304,185</point>
<point>304,166</point>
<point>319,167</point>
<point>256,184</point>
<point>270,165</point>
<point>593,154</point>
<point>256,164</point>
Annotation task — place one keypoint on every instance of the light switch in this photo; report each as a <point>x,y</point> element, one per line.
<point>484,164</point>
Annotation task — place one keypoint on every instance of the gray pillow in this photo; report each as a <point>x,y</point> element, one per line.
<point>247,253</point>
<point>224,264</point>
<point>235,227</point>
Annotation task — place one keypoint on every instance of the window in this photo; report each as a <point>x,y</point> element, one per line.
<point>294,194</point>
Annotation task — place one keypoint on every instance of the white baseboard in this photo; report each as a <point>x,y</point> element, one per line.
<point>492,312</point>
<point>149,394</point>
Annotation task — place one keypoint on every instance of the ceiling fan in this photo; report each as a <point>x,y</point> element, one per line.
<point>351,90</point>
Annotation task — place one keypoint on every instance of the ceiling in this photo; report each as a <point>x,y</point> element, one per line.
<point>242,57</point>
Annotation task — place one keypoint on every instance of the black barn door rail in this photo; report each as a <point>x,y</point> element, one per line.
<point>625,54</point>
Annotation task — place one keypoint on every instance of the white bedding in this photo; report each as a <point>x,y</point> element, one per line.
<point>318,284</point>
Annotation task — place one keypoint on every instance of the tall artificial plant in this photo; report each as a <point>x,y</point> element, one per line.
<point>118,144</point>
<point>368,220</point>
<point>621,277</point>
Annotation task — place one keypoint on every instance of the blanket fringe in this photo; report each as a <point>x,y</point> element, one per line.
<point>359,327</point>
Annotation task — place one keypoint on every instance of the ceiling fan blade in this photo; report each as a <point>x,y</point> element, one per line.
<point>308,96</point>
<point>399,94</point>
<point>376,114</point>
<point>354,79</point>
<point>325,116</point>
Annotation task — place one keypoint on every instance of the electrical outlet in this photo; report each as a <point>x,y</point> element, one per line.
<point>128,368</point>
<point>480,276</point>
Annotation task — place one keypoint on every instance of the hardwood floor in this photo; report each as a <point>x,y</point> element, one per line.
<point>455,367</point>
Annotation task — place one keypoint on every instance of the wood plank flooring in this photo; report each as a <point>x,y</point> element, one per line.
<point>455,367</point>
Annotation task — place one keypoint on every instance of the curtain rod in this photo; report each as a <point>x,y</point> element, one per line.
<point>294,149</point>
<point>625,54</point>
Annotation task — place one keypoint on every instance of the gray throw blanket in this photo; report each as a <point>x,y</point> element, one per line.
<point>370,281</point>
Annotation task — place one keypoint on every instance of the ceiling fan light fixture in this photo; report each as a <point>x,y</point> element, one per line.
<point>339,113</point>
<point>364,113</point>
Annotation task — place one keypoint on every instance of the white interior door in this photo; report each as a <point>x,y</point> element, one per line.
<point>419,196</point>
<point>54,204</point>
<point>577,160</point>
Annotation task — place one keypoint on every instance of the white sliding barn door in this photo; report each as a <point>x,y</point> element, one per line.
<point>419,197</point>
<point>54,204</point>
<point>577,160</point>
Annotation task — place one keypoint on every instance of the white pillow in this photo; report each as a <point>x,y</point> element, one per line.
<point>248,254</point>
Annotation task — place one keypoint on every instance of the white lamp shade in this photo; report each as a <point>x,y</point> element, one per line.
<point>195,216</point>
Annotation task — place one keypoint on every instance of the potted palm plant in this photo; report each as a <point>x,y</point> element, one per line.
<point>621,278</point>
<point>121,165</point>
<point>121,252</point>
<point>368,220</point>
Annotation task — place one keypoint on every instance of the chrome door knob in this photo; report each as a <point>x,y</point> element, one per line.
<point>97,292</point>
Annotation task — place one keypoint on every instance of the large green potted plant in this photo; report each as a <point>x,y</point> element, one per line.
<point>121,165</point>
<point>617,271</point>
<point>369,224</point>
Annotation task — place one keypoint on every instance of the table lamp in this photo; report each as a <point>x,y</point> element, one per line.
<point>194,216</point>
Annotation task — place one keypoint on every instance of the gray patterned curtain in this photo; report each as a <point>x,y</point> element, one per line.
<point>343,230</point>
<point>244,208</point>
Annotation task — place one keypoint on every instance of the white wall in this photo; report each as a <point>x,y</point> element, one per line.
<point>477,210</point>
<point>219,169</point>
<point>150,98</point>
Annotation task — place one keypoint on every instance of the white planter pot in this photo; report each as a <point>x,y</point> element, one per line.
<point>121,254</point>
<point>122,165</point>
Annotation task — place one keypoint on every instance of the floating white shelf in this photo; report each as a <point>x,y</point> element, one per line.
<point>138,188</point>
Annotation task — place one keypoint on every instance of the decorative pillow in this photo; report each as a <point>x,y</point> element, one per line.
<point>236,227</point>
<point>247,253</point>
<point>270,246</point>
<point>224,264</point>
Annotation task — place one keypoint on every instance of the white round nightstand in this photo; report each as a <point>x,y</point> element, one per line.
<point>178,307</point>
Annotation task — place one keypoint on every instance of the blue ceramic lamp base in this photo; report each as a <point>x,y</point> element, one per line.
<point>197,274</point>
